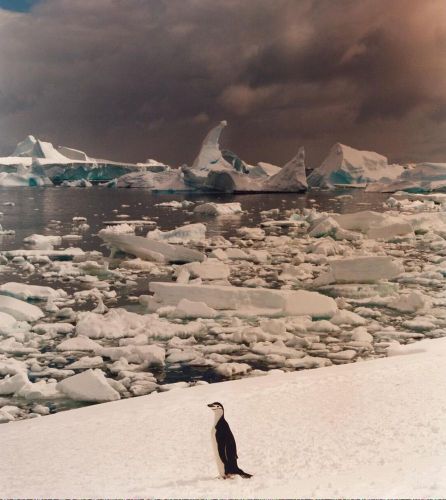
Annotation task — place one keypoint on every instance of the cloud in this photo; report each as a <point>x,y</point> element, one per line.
<point>131,79</point>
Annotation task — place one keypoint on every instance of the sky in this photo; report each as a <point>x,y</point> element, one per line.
<point>135,79</point>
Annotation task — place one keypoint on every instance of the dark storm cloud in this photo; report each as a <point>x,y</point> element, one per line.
<point>131,79</point>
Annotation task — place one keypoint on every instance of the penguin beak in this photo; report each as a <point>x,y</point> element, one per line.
<point>211,406</point>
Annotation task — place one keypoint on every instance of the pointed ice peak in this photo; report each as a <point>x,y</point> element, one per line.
<point>291,177</point>
<point>25,147</point>
<point>210,149</point>
<point>35,148</point>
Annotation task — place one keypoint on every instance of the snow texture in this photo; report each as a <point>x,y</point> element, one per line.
<point>372,430</point>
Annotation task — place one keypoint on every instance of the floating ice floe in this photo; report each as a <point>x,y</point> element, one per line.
<point>183,234</point>
<point>20,310</point>
<point>24,291</point>
<point>347,166</point>
<point>42,242</point>
<point>375,225</point>
<point>246,301</point>
<point>218,209</point>
<point>149,249</point>
<point>362,269</point>
<point>90,385</point>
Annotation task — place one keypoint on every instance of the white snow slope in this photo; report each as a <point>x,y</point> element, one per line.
<point>373,429</point>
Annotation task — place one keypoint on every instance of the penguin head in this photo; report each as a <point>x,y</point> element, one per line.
<point>217,408</point>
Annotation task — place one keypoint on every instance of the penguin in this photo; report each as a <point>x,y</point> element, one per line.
<point>224,446</point>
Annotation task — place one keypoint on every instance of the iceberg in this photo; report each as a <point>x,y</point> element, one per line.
<point>290,178</point>
<point>347,166</point>
<point>223,171</point>
<point>37,163</point>
<point>209,158</point>
<point>420,178</point>
<point>169,179</point>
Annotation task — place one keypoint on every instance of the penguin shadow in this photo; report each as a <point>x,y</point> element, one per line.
<point>185,482</point>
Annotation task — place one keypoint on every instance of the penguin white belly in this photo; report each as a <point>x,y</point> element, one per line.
<point>220,464</point>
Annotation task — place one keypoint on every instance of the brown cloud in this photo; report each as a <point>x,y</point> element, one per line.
<point>145,78</point>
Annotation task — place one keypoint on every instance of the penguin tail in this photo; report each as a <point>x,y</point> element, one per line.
<point>244,474</point>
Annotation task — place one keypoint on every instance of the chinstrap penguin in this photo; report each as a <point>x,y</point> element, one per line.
<point>224,446</point>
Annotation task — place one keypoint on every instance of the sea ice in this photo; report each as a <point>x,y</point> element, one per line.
<point>149,249</point>
<point>362,269</point>
<point>90,385</point>
<point>247,301</point>
<point>216,209</point>
<point>20,310</point>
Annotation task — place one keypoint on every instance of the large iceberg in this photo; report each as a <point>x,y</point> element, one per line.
<point>170,179</point>
<point>209,159</point>
<point>422,177</point>
<point>223,171</point>
<point>36,163</point>
<point>289,178</point>
<point>347,166</point>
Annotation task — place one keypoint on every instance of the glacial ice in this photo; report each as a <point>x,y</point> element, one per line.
<point>347,166</point>
<point>418,178</point>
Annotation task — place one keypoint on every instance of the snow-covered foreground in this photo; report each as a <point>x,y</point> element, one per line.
<point>372,429</point>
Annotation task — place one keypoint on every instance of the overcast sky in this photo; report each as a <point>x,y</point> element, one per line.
<point>133,79</point>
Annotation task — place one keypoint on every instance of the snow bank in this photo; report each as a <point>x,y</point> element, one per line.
<point>363,430</point>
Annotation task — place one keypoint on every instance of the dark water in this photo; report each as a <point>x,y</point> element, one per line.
<point>34,210</point>
<point>35,207</point>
